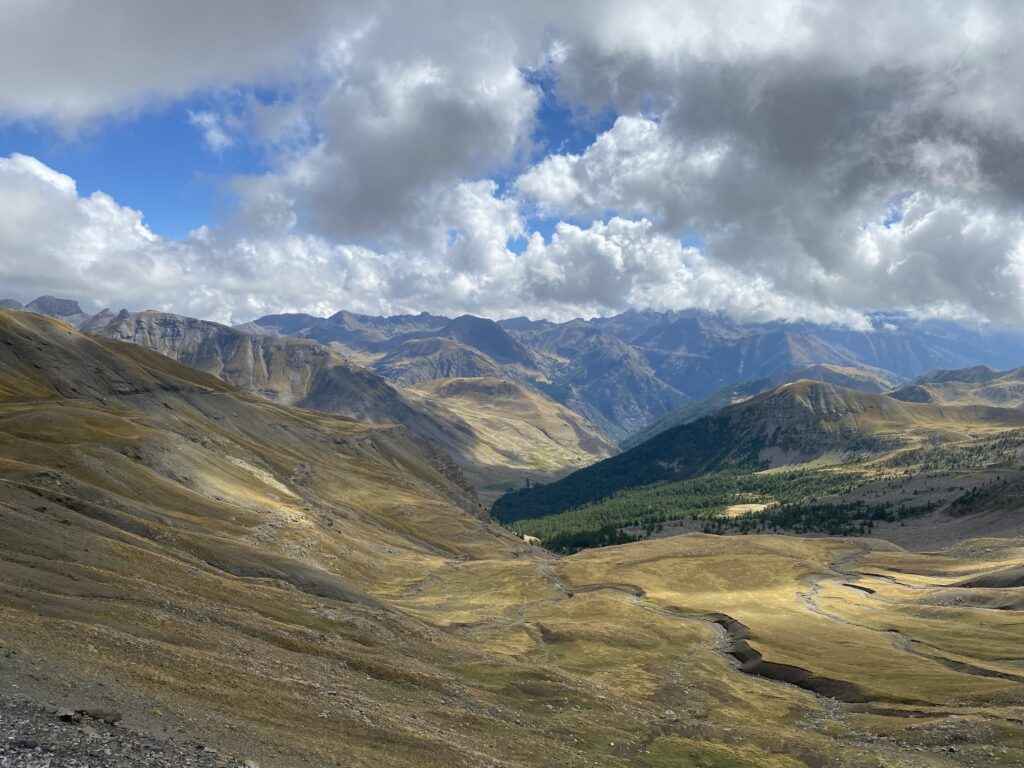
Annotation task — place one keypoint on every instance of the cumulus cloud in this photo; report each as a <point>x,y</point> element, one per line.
<point>215,133</point>
<point>100,251</point>
<point>831,158</point>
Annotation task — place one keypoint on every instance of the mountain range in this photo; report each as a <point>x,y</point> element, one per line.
<point>622,373</point>
<point>625,372</point>
<point>218,568</point>
<point>305,373</point>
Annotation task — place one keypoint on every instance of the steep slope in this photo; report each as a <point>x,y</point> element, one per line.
<point>291,371</point>
<point>305,373</point>
<point>100,410</point>
<point>796,423</point>
<point>262,584</point>
<point>419,360</point>
<point>599,376</point>
<point>518,430</point>
<point>979,385</point>
<point>488,337</point>
<point>860,379</point>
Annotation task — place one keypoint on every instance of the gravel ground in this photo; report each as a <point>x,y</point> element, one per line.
<point>34,736</point>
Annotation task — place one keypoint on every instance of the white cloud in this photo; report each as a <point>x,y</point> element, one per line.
<point>214,134</point>
<point>784,134</point>
<point>101,252</point>
<point>72,62</point>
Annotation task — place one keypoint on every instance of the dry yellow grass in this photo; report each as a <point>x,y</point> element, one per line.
<point>516,433</point>
<point>307,591</point>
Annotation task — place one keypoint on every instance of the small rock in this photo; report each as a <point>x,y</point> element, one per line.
<point>68,716</point>
<point>108,716</point>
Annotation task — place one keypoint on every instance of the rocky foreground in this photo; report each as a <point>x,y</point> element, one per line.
<point>36,736</point>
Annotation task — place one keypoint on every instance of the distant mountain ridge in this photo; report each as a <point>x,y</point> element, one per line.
<point>606,381</point>
<point>980,385</point>
<point>308,374</point>
<point>624,373</point>
<point>860,379</point>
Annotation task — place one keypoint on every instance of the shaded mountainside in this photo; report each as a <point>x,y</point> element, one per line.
<point>418,360</point>
<point>793,424</point>
<point>860,379</point>
<point>600,376</point>
<point>488,337</point>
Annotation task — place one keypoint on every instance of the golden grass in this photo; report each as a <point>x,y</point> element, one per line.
<point>304,590</point>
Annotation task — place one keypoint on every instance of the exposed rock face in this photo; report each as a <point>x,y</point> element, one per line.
<point>305,373</point>
<point>286,370</point>
<point>65,310</point>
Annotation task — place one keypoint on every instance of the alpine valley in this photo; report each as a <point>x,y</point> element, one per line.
<point>712,544</point>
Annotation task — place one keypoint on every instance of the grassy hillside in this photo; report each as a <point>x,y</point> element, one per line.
<point>796,423</point>
<point>860,379</point>
<point>518,432</point>
<point>299,589</point>
<point>980,385</point>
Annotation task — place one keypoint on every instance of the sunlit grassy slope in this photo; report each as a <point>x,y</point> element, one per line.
<point>517,433</point>
<point>304,590</point>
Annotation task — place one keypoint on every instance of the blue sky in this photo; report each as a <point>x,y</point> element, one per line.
<point>817,180</point>
<point>154,162</point>
<point>157,162</point>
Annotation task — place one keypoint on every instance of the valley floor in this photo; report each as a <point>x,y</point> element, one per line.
<point>300,590</point>
<point>688,651</point>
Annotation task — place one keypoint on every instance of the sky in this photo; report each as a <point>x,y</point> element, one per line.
<point>771,160</point>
